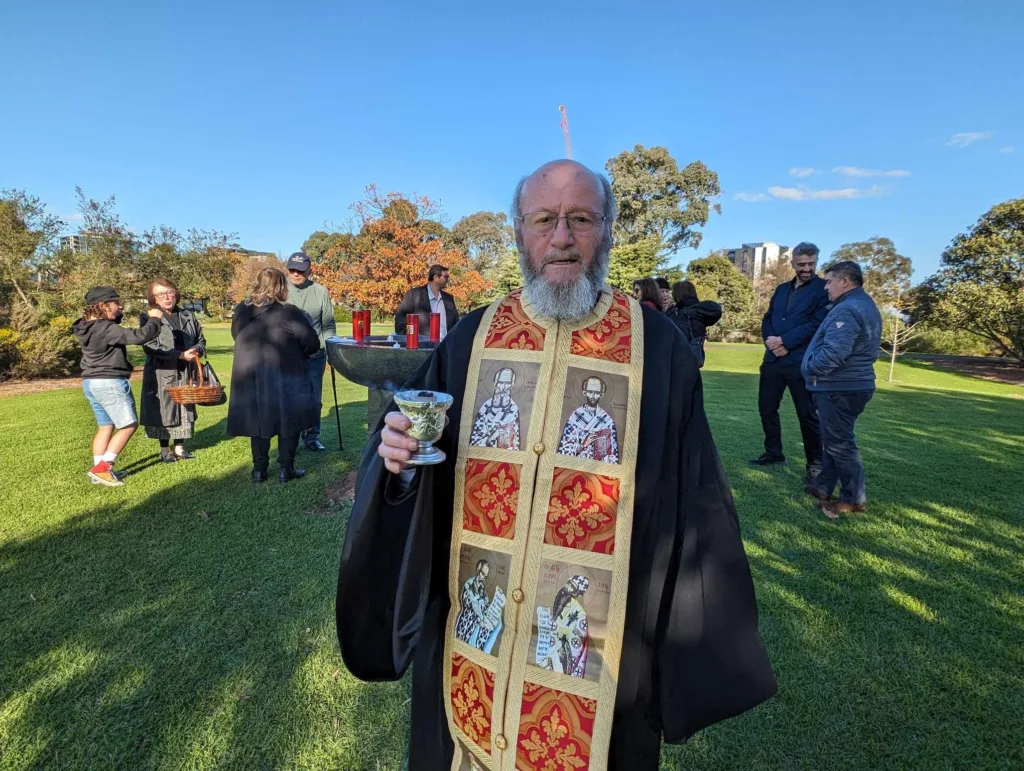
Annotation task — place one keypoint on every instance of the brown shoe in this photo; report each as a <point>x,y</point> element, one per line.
<point>817,494</point>
<point>832,509</point>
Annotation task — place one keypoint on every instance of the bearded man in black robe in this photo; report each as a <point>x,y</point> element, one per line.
<point>673,644</point>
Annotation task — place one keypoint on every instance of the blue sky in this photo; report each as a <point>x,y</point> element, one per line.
<point>268,119</point>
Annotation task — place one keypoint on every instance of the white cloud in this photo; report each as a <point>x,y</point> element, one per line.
<point>856,171</point>
<point>750,197</point>
<point>806,194</point>
<point>788,193</point>
<point>1008,150</point>
<point>803,171</point>
<point>72,217</point>
<point>965,138</point>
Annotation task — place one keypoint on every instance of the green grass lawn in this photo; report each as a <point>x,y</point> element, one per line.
<point>185,621</point>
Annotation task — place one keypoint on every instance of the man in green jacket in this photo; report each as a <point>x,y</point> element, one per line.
<point>313,300</point>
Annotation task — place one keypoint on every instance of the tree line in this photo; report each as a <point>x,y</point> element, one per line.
<point>391,239</point>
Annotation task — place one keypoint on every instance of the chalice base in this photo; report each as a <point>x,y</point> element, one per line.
<point>427,455</point>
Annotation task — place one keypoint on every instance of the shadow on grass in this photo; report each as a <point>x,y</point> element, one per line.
<point>990,370</point>
<point>897,636</point>
<point>192,628</point>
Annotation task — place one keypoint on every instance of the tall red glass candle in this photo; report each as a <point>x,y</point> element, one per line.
<point>412,332</point>
<point>435,327</point>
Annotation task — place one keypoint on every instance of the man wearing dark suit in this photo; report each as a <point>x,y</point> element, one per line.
<point>794,314</point>
<point>424,300</point>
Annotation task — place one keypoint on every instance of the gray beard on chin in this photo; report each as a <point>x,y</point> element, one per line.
<point>564,302</point>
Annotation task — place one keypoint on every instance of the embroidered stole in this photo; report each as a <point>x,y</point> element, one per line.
<point>540,539</point>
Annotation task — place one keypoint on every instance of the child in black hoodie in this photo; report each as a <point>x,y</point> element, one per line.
<point>105,373</point>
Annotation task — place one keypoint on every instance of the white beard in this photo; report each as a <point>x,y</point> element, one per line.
<point>565,302</point>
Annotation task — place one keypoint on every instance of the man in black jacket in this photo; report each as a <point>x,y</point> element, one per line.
<point>424,300</point>
<point>794,314</point>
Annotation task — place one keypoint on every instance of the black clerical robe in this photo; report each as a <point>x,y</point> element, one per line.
<point>691,653</point>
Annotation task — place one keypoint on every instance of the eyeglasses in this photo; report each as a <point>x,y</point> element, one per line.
<point>544,222</point>
<point>166,294</point>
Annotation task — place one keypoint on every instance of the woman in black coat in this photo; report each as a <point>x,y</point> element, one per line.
<point>690,314</point>
<point>271,394</point>
<point>168,357</point>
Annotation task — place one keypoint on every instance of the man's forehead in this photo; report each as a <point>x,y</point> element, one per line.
<point>561,183</point>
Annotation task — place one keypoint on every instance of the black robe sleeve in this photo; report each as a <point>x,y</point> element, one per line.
<point>710,659</point>
<point>239,319</point>
<point>383,580</point>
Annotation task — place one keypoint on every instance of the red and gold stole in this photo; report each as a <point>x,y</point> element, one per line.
<point>540,543</point>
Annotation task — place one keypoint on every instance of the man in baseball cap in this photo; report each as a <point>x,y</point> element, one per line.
<point>313,300</point>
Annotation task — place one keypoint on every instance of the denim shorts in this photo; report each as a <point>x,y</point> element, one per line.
<point>111,400</point>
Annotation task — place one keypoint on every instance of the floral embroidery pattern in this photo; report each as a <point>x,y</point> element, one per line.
<point>609,338</point>
<point>555,729</point>
<point>582,511</point>
<point>472,700</point>
<point>490,498</point>
<point>511,328</point>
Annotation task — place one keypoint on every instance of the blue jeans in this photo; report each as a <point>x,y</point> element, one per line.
<point>838,412</point>
<point>315,368</point>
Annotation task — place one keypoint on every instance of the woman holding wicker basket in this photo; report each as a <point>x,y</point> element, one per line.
<point>271,394</point>
<point>169,358</point>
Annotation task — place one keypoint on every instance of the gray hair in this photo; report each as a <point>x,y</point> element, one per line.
<point>847,269</point>
<point>805,248</point>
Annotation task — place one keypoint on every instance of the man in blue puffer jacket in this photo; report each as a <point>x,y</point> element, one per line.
<point>839,368</point>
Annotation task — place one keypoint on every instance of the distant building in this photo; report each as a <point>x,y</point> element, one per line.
<point>754,259</point>
<point>253,254</point>
<point>77,244</point>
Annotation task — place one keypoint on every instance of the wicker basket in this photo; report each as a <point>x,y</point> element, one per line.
<point>196,392</point>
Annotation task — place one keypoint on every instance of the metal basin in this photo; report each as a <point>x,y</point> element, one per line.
<point>377,364</point>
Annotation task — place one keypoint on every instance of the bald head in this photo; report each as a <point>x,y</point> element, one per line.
<point>556,180</point>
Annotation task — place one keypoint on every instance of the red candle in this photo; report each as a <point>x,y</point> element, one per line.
<point>435,327</point>
<point>358,327</point>
<point>367,321</point>
<point>412,332</point>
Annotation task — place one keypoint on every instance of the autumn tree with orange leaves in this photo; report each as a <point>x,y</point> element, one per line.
<point>398,241</point>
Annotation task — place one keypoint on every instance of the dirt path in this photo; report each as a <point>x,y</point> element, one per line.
<point>987,369</point>
<point>20,387</point>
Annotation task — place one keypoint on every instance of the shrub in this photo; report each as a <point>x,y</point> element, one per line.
<point>8,351</point>
<point>950,342</point>
<point>34,347</point>
<point>47,349</point>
